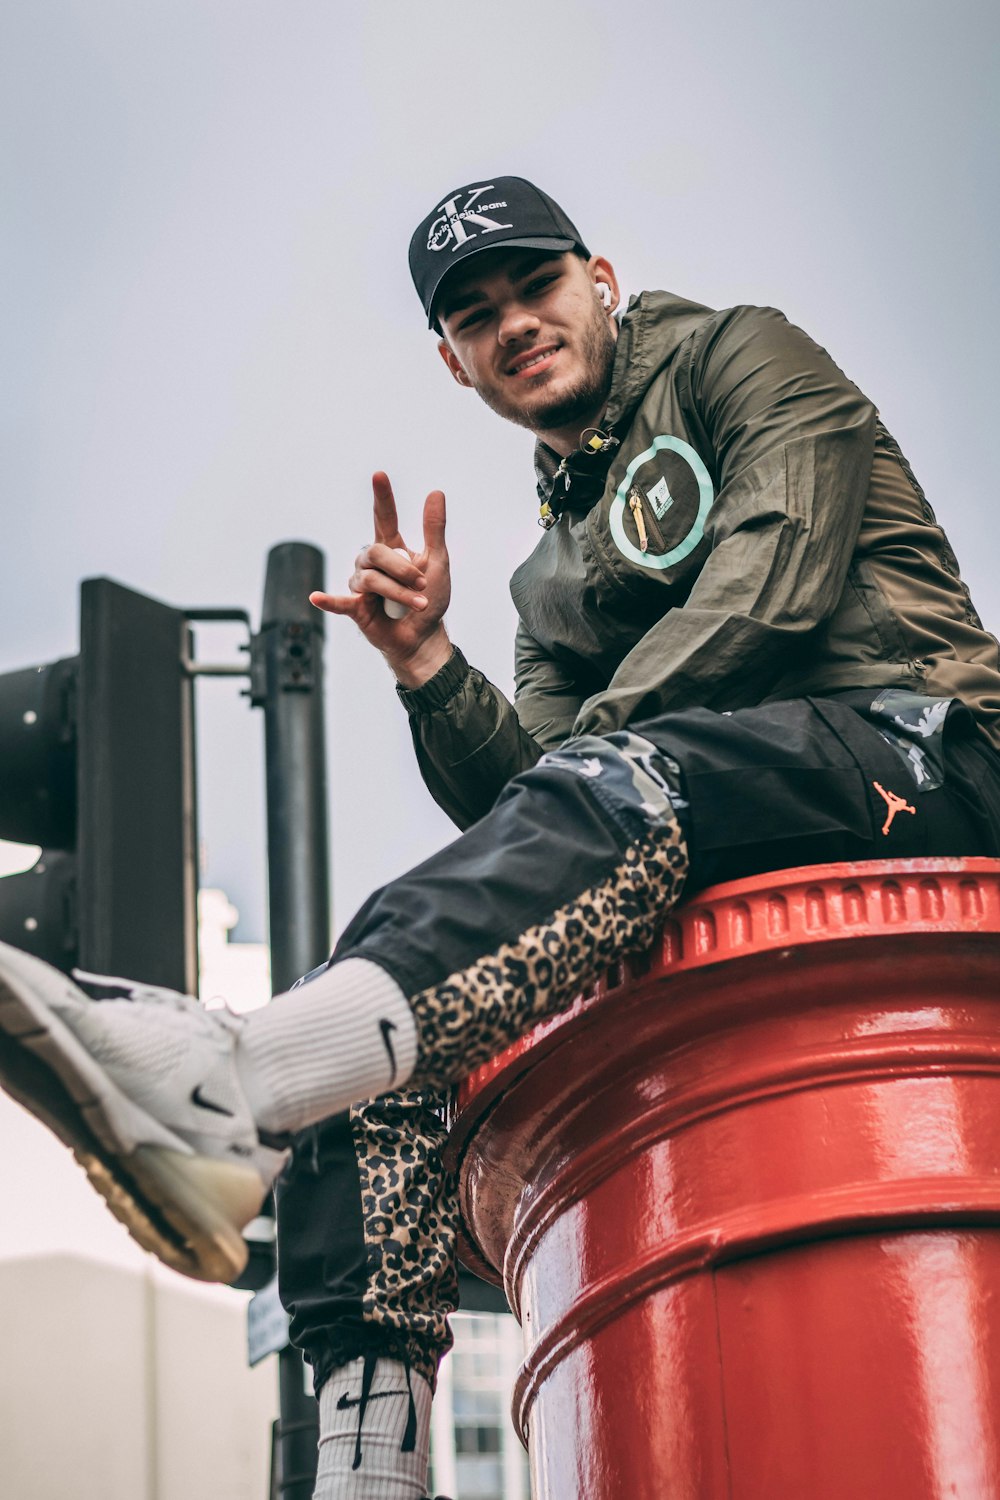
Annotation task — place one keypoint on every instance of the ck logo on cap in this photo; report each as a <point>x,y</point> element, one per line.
<point>452,226</point>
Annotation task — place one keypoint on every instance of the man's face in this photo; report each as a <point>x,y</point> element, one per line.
<point>526,329</point>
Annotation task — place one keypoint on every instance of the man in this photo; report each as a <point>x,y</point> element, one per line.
<point>743,644</point>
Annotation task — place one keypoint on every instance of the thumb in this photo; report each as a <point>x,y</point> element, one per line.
<point>434,522</point>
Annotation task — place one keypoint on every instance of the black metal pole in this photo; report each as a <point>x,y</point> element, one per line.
<point>295,759</point>
<point>288,680</point>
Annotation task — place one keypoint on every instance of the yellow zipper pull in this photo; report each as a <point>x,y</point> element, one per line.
<point>635,506</point>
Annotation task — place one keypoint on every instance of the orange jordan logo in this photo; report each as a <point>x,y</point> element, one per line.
<point>893,803</point>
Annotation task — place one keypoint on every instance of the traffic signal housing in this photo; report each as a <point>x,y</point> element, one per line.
<point>97,767</point>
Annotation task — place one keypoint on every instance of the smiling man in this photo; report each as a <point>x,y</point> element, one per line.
<point>743,644</point>
<point>553,385</point>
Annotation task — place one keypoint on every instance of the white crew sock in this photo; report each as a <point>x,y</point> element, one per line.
<point>347,1035</point>
<point>385,1472</point>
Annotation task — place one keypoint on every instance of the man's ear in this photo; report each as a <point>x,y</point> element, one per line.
<point>601,270</point>
<point>451,359</point>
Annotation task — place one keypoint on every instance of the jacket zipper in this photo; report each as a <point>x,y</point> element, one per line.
<point>643,518</point>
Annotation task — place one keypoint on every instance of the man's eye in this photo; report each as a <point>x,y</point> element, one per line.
<point>471,319</point>
<point>539,283</point>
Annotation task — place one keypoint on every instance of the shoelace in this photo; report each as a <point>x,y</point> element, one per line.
<point>409,1442</point>
<point>113,987</point>
<point>108,987</point>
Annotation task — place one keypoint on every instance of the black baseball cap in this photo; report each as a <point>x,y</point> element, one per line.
<point>480,216</point>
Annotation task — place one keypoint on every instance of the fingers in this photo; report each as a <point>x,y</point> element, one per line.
<point>386,520</point>
<point>366,604</point>
<point>336,604</point>
<point>381,573</point>
<point>395,561</point>
<point>389,572</point>
<point>373,583</point>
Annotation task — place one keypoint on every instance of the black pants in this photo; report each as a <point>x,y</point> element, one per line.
<point>575,865</point>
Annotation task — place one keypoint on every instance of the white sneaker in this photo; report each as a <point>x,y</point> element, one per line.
<point>145,1091</point>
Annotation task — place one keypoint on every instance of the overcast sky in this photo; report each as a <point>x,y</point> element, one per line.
<point>210,338</point>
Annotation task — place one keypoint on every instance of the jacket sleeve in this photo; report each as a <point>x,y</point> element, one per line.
<point>469,739</point>
<point>793,442</point>
<point>547,698</point>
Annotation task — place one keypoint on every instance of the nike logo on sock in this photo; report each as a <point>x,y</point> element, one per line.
<point>345,1401</point>
<point>386,1027</point>
<point>198,1098</point>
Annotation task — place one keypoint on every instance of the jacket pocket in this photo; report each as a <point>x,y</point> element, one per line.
<point>647,528</point>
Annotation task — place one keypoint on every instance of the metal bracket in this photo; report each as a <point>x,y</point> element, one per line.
<point>284,648</point>
<point>192,668</point>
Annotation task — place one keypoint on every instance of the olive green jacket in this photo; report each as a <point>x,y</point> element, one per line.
<point>741,529</point>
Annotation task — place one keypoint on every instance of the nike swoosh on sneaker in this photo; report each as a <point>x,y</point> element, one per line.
<point>345,1402</point>
<point>197,1097</point>
<point>386,1027</point>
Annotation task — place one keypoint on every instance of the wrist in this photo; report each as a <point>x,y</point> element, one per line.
<point>424,663</point>
<point>438,692</point>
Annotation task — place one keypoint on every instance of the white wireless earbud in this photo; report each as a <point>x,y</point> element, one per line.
<point>604,292</point>
<point>392,607</point>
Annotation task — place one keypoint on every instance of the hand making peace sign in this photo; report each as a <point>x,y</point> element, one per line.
<point>415,644</point>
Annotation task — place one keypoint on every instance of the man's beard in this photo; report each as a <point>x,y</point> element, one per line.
<point>580,404</point>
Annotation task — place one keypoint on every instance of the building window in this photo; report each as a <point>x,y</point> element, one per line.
<point>475,1452</point>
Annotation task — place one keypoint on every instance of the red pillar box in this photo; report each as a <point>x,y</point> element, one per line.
<point>745,1199</point>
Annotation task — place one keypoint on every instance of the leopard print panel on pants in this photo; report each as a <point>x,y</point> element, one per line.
<point>410,1208</point>
<point>409,1201</point>
<point>472,1015</point>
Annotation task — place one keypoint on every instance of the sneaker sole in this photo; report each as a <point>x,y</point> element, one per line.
<point>185,1208</point>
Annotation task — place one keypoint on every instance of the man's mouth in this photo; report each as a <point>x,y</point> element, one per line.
<point>533,361</point>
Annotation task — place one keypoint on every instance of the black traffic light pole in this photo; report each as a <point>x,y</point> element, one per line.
<point>287,658</point>
<point>97,767</point>
<point>287,681</point>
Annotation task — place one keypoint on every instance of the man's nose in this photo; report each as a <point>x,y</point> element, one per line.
<point>516,320</point>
